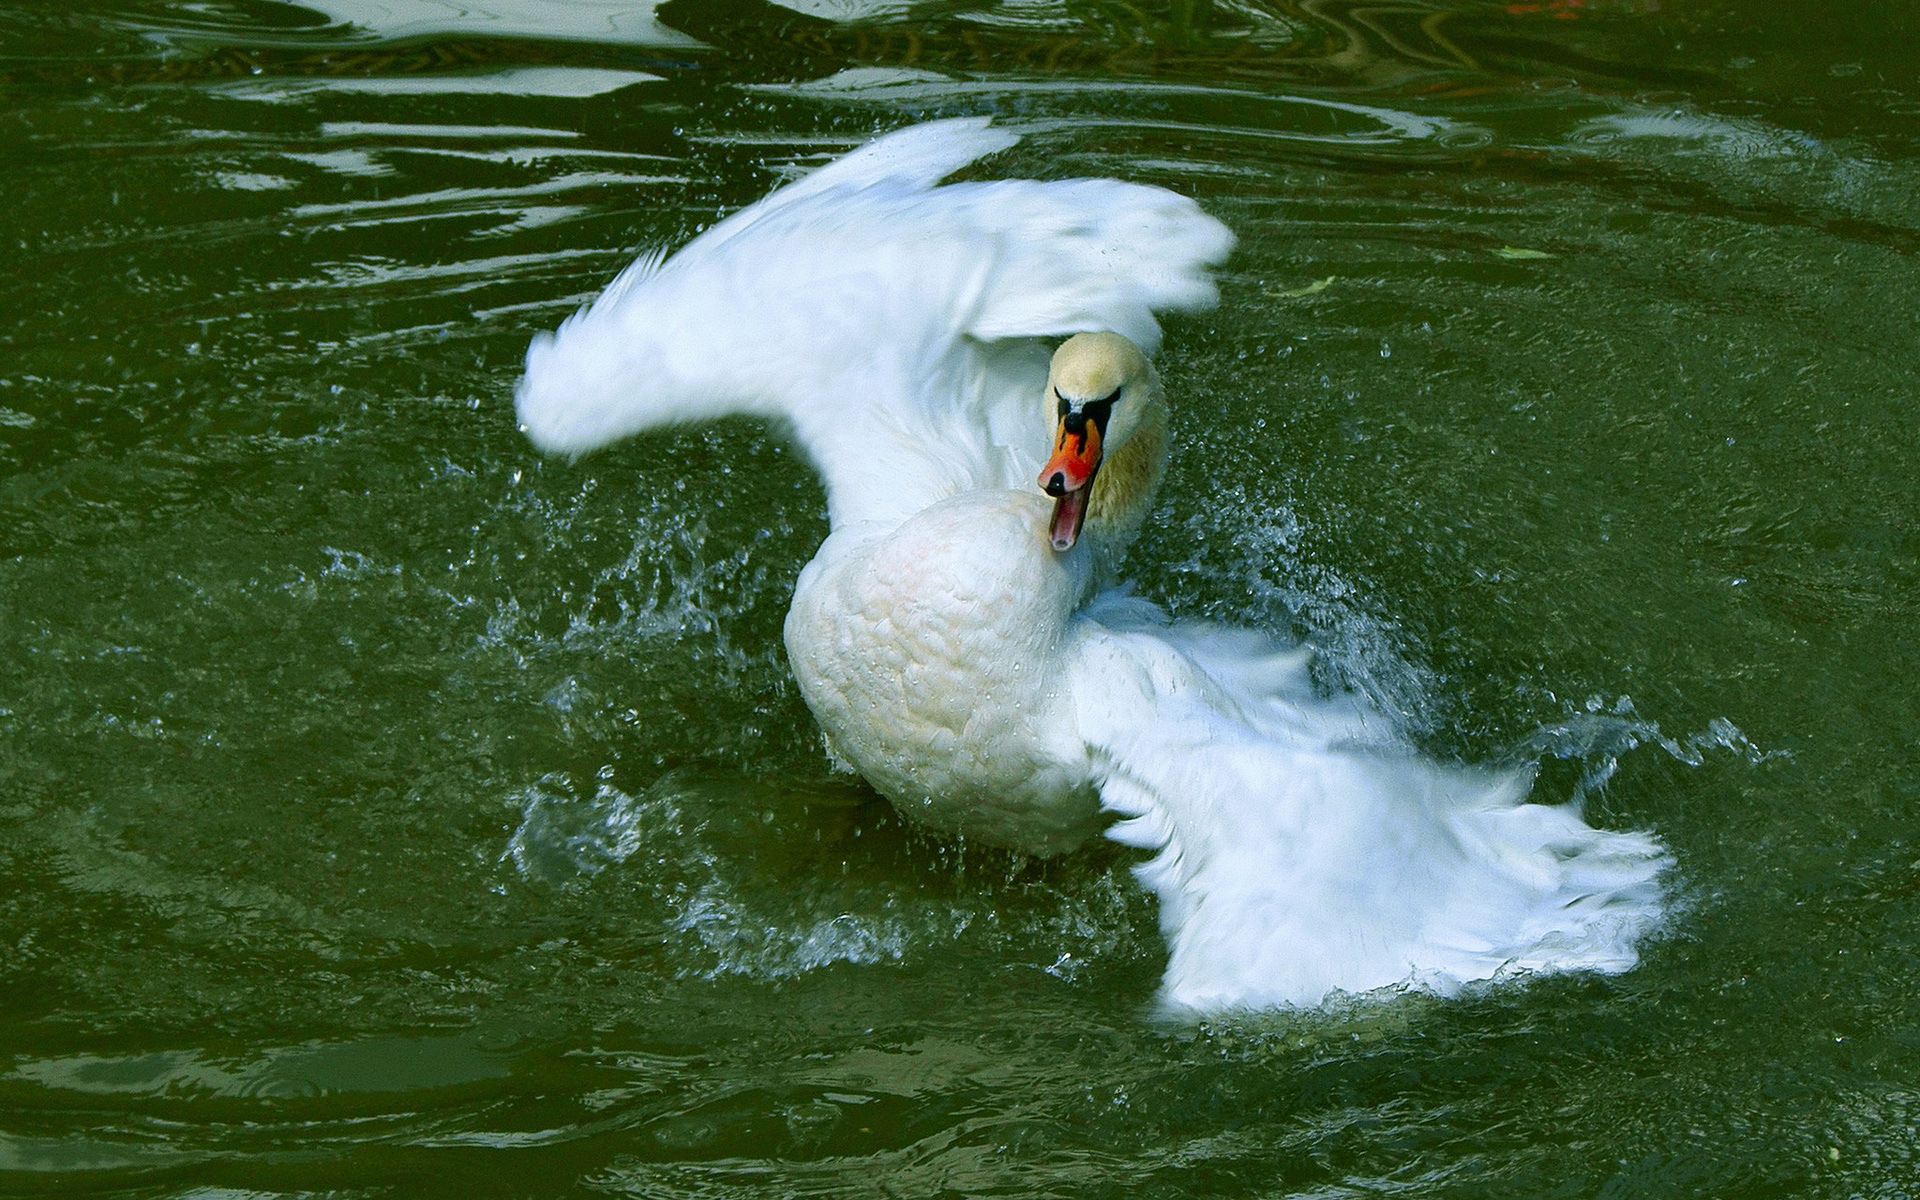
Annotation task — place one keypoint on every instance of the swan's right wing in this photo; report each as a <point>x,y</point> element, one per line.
<point>1300,853</point>
<point>886,320</point>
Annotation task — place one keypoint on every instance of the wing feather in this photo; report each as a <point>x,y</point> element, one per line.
<point>890,322</point>
<point>1302,852</point>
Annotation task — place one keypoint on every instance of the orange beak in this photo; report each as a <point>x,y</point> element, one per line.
<point>1068,476</point>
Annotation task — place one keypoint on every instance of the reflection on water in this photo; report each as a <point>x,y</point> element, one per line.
<point>575,82</point>
<point>387,809</point>
<point>375,1065</point>
<point>628,23</point>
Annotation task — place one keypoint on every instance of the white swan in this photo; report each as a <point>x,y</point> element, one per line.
<point>954,635</point>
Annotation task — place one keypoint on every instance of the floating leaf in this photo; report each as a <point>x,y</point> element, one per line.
<point>1517,252</point>
<point>1318,285</point>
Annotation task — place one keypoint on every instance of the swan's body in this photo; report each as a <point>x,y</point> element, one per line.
<point>962,723</point>
<point>985,680</point>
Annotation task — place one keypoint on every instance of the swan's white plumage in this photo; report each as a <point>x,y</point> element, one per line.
<point>978,678</point>
<point>1310,852</point>
<point>874,319</point>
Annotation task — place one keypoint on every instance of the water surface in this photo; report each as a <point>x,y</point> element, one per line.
<point>387,811</point>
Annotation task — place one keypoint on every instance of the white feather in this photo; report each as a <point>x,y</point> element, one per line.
<point>860,305</point>
<point>964,667</point>
<point>1303,851</point>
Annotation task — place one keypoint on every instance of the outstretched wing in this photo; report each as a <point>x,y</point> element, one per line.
<point>1301,853</point>
<point>887,320</point>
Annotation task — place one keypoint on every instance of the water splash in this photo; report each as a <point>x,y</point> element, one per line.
<point>1273,581</point>
<point>766,882</point>
<point>563,838</point>
<point>1599,737</point>
<point>740,945</point>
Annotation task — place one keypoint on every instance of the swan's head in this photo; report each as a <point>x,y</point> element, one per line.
<point>1103,394</point>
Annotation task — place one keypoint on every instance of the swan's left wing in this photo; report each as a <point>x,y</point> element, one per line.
<point>887,321</point>
<point>1302,852</point>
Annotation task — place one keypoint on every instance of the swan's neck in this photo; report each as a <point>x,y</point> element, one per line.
<point>1123,493</point>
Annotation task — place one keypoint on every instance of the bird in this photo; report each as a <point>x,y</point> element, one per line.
<point>966,365</point>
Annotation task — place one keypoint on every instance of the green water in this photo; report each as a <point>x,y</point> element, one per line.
<point>387,812</point>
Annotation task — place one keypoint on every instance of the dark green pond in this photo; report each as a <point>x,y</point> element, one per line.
<point>385,811</point>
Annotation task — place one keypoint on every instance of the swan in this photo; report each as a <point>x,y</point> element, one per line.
<point>961,635</point>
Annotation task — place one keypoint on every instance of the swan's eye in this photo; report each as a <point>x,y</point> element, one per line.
<point>1097,410</point>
